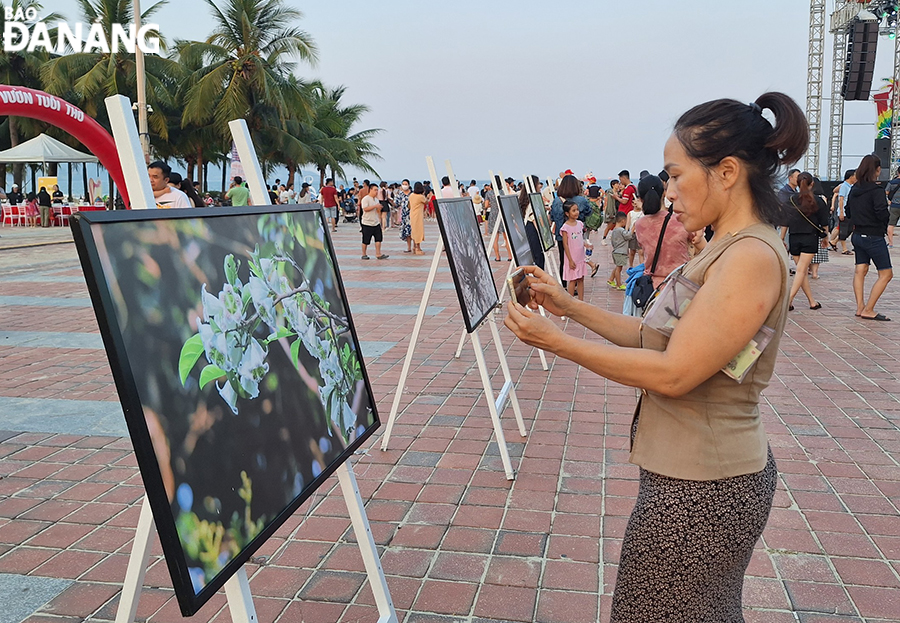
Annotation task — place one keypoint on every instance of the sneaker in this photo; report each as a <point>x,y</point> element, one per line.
<point>612,284</point>
<point>364,257</point>
<point>621,287</point>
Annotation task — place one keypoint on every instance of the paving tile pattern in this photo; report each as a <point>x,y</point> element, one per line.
<point>458,541</point>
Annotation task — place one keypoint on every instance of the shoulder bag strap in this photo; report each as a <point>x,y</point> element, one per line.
<point>816,227</point>
<point>662,232</point>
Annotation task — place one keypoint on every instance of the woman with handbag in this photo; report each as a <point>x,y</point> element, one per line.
<point>807,219</point>
<point>708,476</point>
<point>653,232</point>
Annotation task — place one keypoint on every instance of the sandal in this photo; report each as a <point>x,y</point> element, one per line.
<point>846,252</point>
<point>596,268</point>
<point>880,317</point>
<point>382,257</point>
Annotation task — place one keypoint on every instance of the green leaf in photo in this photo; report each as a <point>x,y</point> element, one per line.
<point>282,332</point>
<point>210,373</point>
<point>295,353</point>
<point>231,269</point>
<point>190,353</point>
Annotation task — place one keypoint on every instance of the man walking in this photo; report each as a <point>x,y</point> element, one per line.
<point>329,202</point>
<point>842,222</point>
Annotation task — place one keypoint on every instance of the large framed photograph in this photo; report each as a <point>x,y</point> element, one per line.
<point>542,220</point>
<point>515,230</point>
<point>468,259</point>
<point>238,368</point>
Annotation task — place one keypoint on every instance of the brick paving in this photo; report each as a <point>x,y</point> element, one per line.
<point>458,541</point>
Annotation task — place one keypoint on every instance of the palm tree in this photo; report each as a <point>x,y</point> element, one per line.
<point>22,69</point>
<point>334,123</point>
<point>247,66</point>
<point>91,77</point>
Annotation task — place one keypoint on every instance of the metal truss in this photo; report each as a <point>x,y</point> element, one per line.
<point>814,82</point>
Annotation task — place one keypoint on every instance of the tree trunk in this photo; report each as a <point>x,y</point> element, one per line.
<point>3,176</point>
<point>18,168</point>
<point>53,169</point>
<point>321,177</point>
<point>190,169</point>
<point>292,171</point>
<point>205,177</point>
<point>201,172</point>
<point>224,174</point>
<point>84,178</point>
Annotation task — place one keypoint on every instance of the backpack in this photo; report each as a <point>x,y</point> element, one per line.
<point>595,218</point>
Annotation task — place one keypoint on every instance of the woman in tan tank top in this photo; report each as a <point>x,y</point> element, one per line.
<point>707,477</point>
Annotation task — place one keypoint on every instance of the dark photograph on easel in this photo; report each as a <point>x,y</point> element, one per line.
<point>238,368</point>
<point>469,265</point>
<point>515,230</point>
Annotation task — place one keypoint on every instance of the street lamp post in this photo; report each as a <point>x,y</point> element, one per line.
<point>143,130</point>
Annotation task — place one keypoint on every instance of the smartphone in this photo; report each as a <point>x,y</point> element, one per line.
<point>518,287</point>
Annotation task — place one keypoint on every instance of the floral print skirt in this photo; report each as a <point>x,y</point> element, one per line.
<point>405,230</point>
<point>687,546</point>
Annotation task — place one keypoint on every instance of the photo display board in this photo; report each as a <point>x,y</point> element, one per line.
<point>515,230</point>
<point>238,368</point>
<point>468,259</point>
<point>542,219</point>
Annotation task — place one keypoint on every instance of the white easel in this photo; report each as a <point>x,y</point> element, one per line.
<point>551,255</point>
<point>237,587</point>
<point>509,271</point>
<point>495,406</point>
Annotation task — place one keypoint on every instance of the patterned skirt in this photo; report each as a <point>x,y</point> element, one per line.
<point>687,546</point>
<point>405,229</point>
<point>821,255</point>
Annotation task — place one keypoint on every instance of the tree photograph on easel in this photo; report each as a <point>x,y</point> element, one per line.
<point>238,367</point>
<point>515,230</point>
<point>469,265</point>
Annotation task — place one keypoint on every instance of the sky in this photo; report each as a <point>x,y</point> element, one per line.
<point>527,86</point>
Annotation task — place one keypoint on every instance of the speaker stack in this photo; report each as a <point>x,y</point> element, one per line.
<point>862,41</point>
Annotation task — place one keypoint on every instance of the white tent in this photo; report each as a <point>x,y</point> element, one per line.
<point>45,149</point>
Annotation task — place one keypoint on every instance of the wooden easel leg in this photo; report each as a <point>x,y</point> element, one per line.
<point>240,601</point>
<point>462,342</point>
<point>495,416</point>
<point>366,542</point>
<point>504,364</point>
<point>137,566</point>
<point>413,340</point>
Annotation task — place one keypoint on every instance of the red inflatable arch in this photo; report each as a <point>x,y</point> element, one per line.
<point>22,102</point>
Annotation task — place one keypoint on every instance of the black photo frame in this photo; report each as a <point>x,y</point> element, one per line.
<point>542,220</point>
<point>515,230</point>
<point>468,260</point>
<point>143,268</point>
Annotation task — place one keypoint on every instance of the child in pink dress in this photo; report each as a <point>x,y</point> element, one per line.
<point>574,267</point>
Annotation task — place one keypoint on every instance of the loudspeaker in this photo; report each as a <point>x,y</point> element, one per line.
<point>883,151</point>
<point>862,42</point>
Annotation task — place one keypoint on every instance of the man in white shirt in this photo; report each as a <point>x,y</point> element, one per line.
<point>285,195</point>
<point>472,190</point>
<point>166,196</point>
<point>446,188</point>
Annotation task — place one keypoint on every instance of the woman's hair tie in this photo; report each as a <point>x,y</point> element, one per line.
<point>756,108</point>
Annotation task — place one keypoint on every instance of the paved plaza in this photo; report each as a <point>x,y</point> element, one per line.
<point>458,541</point>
